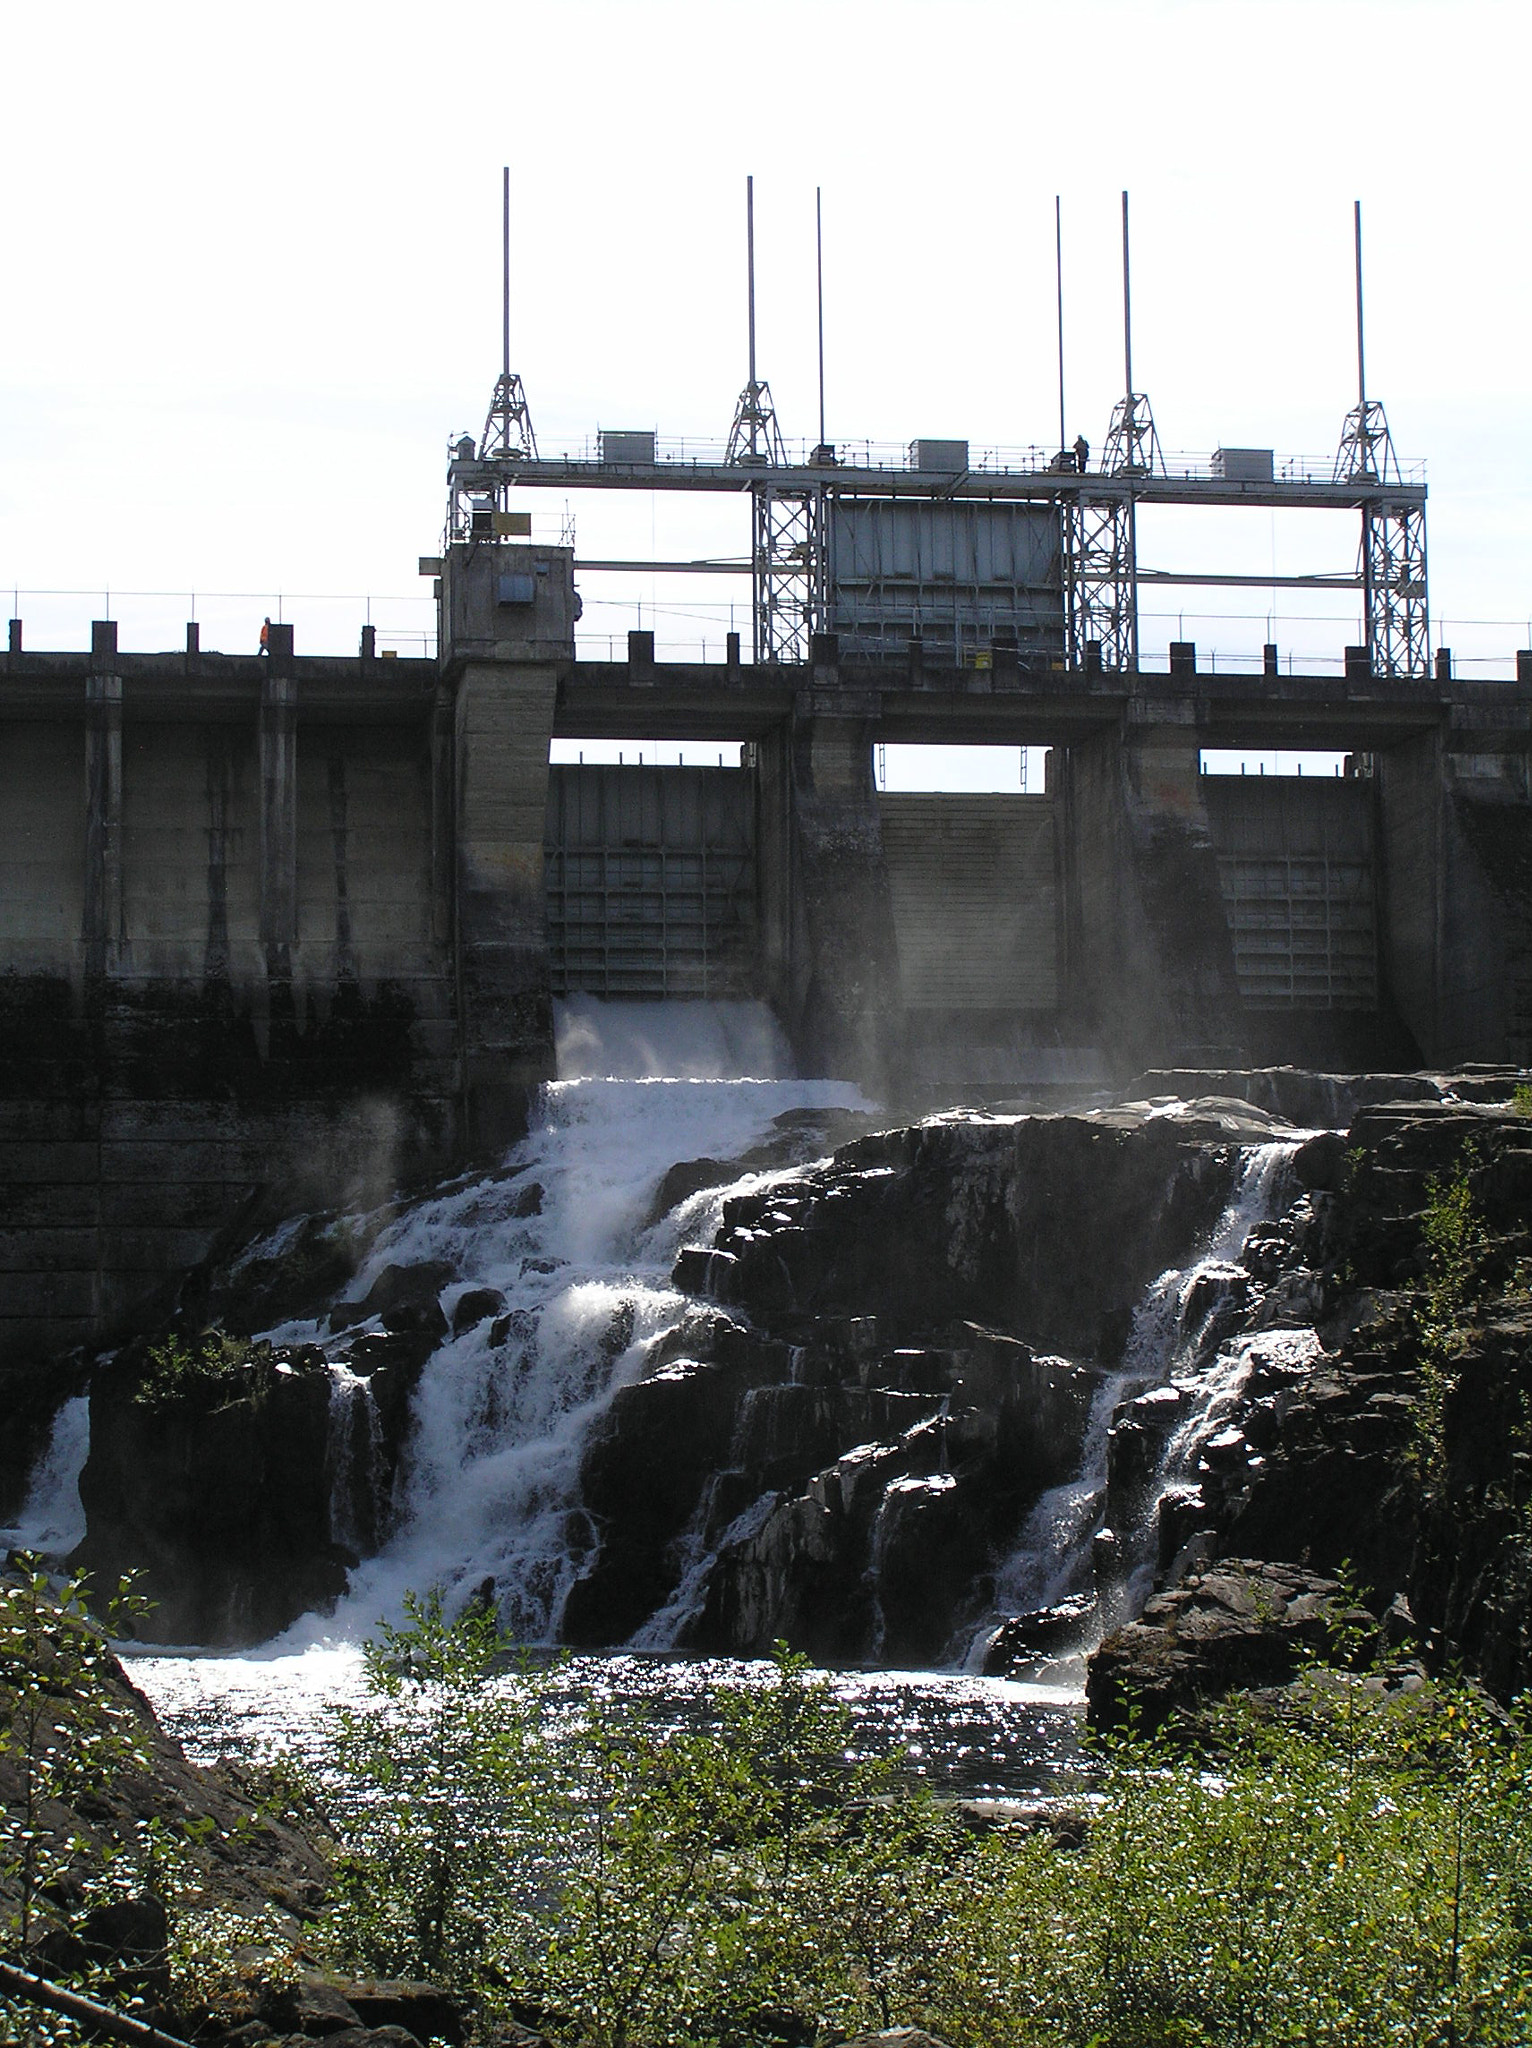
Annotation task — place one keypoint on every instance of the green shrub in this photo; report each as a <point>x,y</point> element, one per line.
<point>66,1733</point>
<point>440,1767</point>
<point>174,1370</point>
<point>1455,1241</point>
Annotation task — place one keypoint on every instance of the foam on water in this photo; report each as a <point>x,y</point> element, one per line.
<point>488,1488</point>
<point>52,1520</point>
<point>1052,1562</point>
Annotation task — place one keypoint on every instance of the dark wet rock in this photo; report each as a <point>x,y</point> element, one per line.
<point>403,1351</point>
<point>998,1221</point>
<point>930,1543</point>
<point>416,1318</point>
<point>701,1270</point>
<point>1025,1640</point>
<point>474,1306</point>
<point>398,1291</point>
<point>686,1178</point>
<point>1243,1622</point>
<point>285,1275</point>
<point>217,1491</point>
<point>218,1486</point>
<point>641,1479</point>
<point>1322,1463</point>
<point>1293,1093</point>
<point>884,1456</point>
<point>1321,1163</point>
<point>885,1549</point>
<point>530,1201</point>
<point>793,1577</point>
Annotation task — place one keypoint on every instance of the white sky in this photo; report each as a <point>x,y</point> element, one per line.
<point>251,276</point>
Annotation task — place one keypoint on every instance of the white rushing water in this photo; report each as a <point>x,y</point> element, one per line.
<point>1167,1349</point>
<point>52,1520</point>
<point>488,1488</point>
<point>564,1232</point>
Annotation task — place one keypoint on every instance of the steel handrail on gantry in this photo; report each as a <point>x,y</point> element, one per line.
<point>679,466</point>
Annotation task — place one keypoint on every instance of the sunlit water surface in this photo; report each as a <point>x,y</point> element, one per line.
<point>963,1736</point>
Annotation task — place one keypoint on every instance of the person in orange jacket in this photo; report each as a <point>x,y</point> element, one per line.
<point>266,636</point>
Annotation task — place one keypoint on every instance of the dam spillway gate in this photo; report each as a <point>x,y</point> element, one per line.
<point>651,881</point>
<point>1297,872</point>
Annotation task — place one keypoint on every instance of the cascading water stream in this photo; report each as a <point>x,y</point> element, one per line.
<point>354,1458</point>
<point>1168,1360</point>
<point>52,1520</point>
<point>488,1484</point>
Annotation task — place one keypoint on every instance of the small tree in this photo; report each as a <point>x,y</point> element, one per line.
<point>439,1785</point>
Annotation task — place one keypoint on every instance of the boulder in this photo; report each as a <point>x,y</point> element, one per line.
<point>1023,1641</point>
<point>474,1306</point>
<point>1239,1623</point>
<point>402,1292</point>
<point>896,2037</point>
<point>220,1487</point>
<point>425,2010</point>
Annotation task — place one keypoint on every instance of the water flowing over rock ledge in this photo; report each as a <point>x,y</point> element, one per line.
<point>971,1389</point>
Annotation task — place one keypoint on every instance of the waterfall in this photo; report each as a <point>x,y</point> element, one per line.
<point>353,1459</point>
<point>562,1234</point>
<point>52,1521</point>
<point>1179,1382</point>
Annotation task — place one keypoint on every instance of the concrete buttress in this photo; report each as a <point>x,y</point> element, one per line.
<point>846,980</point>
<point>102,933</point>
<point>504,722</point>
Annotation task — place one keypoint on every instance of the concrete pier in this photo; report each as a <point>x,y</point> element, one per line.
<point>278,929</point>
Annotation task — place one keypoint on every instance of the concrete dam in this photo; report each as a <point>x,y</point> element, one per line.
<point>295,924</point>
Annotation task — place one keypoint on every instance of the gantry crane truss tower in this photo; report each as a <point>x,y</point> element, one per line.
<point>796,496</point>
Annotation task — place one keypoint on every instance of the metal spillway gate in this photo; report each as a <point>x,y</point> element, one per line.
<point>974,888</point>
<point>1295,861</point>
<point>651,881</point>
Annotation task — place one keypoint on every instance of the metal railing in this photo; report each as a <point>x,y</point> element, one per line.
<point>694,452</point>
<point>58,620</point>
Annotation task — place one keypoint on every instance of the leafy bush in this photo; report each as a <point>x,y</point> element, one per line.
<point>66,1732</point>
<point>1455,1241</point>
<point>1362,1876</point>
<point>173,1370</point>
<point>1356,1869</point>
<point>440,1762</point>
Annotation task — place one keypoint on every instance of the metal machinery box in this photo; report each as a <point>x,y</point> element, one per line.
<point>1243,465</point>
<point>947,456</point>
<point>627,444</point>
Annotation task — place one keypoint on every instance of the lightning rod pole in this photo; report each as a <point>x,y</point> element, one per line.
<point>1058,279</point>
<point>1127,308</point>
<point>1361,360</point>
<point>819,267</point>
